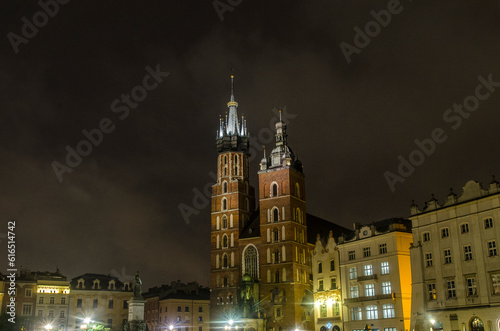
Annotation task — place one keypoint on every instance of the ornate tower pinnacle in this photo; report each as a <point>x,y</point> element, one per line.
<point>233,134</point>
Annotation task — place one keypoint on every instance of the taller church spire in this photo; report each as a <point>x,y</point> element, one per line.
<point>232,134</point>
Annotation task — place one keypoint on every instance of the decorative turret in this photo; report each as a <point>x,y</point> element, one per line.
<point>232,135</point>
<point>282,155</point>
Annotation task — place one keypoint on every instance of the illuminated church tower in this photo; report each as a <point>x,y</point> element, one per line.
<point>260,262</point>
<point>232,204</point>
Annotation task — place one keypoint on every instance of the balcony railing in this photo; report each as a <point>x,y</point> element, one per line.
<point>363,278</point>
<point>374,297</point>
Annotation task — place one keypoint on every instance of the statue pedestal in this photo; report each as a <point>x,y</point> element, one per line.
<point>136,314</point>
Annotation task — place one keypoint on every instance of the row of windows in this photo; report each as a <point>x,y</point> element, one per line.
<point>471,287</point>
<point>62,313</point>
<point>464,228</point>
<point>236,166</point>
<point>273,215</point>
<point>224,204</point>
<point>95,304</point>
<point>369,290</point>
<point>96,285</point>
<point>225,241</point>
<point>467,253</point>
<point>333,284</point>
<point>320,266</point>
<point>179,309</point>
<point>382,249</point>
<point>41,300</point>
<point>274,192</point>
<point>368,270</point>
<point>371,312</point>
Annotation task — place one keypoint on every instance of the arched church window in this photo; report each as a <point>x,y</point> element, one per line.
<point>274,189</point>
<point>297,190</point>
<point>277,276</point>
<point>275,215</point>
<point>250,261</point>
<point>276,256</point>
<point>224,241</point>
<point>297,215</point>
<point>225,159</point>
<point>225,261</point>
<point>276,235</point>
<point>224,204</point>
<point>224,222</point>
<point>224,187</point>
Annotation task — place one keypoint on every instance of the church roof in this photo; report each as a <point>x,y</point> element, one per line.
<point>316,225</point>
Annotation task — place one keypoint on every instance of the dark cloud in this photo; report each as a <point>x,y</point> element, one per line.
<point>119,208</point>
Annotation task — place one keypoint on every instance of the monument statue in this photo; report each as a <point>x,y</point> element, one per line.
<point>137,286</point>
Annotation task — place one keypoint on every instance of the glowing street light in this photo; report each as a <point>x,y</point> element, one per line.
<point>170,327</point>
<point>48,327</point>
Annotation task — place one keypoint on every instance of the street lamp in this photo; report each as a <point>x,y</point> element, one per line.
<point>171,327</point>
<point>48,327</point>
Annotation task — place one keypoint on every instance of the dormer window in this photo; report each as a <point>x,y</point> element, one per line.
<point>80,284</point>
<point>95,285</point>
<point>112,285</point>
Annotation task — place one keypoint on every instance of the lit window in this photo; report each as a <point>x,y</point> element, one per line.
<point>452,293</point>
<point>382,248</point>
<point>352,255</point>
<point>356,313</point>
<point>371,313</point>
<point>471,286</point>
<point>320,268</point>
<point>386,288</point>
<point>426,236</point>
<point>445,233</point>
<point>388,310</point>
<point>353,273</point>
<point>488,223</point>
<point>368,270</point>
<point>428,259</point>
<point>366,252</point>
<point>333,283</point>
<point>495,282</point>
<point>467,252</point>
<point>26,309</point>
<point>447,256</point>
<point>492,248</point>
<point>384,267</point>
<point>431,287</point>
<point>369,290</point>
<point>354,292</point>
<point>464,228</point>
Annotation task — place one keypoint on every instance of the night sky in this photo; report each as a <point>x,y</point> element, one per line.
<point>118,210</point>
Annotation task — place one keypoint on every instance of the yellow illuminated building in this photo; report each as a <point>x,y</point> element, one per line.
<point>375,276</point>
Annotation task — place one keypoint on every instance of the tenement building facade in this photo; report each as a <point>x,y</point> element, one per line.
<point>178,307</point>
<point>326,285</point>
<point>375,276</point>
<point>455,261</point>
<point>260,257</point>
